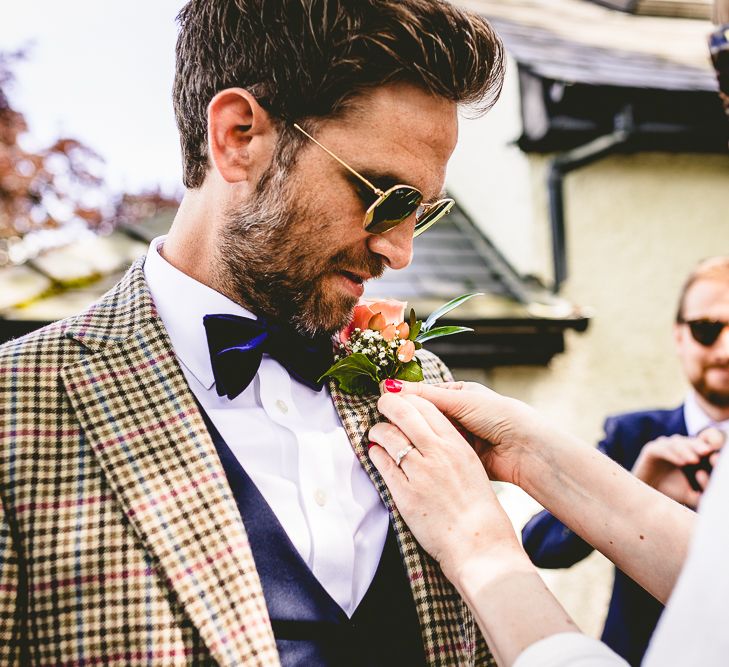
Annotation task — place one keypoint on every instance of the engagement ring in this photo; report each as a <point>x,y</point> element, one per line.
<point>402,454</point>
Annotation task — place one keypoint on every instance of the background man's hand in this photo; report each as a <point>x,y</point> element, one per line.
<point>661,461</point>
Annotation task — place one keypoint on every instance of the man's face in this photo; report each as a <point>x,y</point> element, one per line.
<point>296,251</point>
<point>707,368</point>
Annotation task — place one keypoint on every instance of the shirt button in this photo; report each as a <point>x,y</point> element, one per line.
<point>283,408</point>
<point>320,497</point>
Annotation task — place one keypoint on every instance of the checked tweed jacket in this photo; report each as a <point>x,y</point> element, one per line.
<point>120,540</point>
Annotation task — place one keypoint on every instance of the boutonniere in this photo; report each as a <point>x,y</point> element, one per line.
<point>379,344</point>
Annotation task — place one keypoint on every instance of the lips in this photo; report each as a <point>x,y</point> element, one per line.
<point>354,277</point>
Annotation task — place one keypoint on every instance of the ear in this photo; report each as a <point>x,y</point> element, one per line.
<point>678,334</point>
<point>241,136</point>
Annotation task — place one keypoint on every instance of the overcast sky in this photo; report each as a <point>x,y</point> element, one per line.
<point>100,72</point>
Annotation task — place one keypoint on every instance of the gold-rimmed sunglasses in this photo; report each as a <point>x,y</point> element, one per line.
<point>395,204</point>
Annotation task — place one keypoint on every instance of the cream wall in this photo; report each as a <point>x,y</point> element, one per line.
<point>635,227</point>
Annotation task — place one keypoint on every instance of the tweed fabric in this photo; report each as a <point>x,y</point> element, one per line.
<point>450,635</point>
<point>120,541</point>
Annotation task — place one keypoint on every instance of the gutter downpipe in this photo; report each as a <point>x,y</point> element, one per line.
<point>571,160</point>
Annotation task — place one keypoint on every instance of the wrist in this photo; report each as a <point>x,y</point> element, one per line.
<point>544,456</point>
<point>478,569</point>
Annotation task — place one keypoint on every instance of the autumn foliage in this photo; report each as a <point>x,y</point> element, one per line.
<point>44,188</point>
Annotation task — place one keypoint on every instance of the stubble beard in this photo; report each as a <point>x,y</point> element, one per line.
<point>716,397</point>
<point>274,261</point>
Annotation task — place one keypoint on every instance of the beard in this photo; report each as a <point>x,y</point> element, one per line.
<point>712,395</point>
<point>275,258</point>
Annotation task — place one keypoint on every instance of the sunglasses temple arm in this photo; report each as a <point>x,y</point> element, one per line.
<point>376,190</point>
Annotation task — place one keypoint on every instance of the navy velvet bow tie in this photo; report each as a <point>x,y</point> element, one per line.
<point>237,345</point>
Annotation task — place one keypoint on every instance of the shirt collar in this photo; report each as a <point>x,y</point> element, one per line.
<point>696,419</point>
<point>181,303</point>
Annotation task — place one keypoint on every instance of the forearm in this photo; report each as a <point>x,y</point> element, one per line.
<point>509,601</point>
<point>644,533</point>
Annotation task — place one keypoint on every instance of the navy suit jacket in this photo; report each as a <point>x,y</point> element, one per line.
<point>633,613</point>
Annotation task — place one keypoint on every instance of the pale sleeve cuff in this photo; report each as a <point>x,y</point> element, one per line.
<point>569,649</point>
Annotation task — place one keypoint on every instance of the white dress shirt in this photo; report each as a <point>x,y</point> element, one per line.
<point>287,437</point>
<point>696,419</point>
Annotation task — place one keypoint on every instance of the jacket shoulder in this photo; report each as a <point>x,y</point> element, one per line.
<point>47,345</point>
<point>627,433</point>
<point>123,309</point>
<point>659,421</point>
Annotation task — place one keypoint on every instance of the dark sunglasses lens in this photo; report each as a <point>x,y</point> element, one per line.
<point>432,215</point>
<point>706,332</point>
<point>397,204</point>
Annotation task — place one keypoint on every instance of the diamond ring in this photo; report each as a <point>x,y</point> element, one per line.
<point>402,454</point>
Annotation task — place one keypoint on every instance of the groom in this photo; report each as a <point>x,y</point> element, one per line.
<point>177,487</point>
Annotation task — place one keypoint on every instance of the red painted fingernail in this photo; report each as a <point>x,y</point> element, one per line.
<point>393,386</point>
<point>370,445</point>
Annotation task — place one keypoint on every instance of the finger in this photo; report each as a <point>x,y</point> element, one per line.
<point>403,386</point>
<point>691,449</point>
<point>447,397</point>
<point>670,452</point>
<point>406,416</point>
<point>702,479</point>
<point>394,477</point>
<point>691,498</point>
<point>393,440</point>
<point>440,424</point>
<point>713,438</point>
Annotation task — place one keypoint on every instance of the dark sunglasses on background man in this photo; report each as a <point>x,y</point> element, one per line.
<point>719,49</point>
<point>705,332</point>
<point>394,205</point>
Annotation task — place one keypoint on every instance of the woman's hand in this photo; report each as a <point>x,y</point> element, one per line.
<point>501,430</point>
<point>444,495</point>
<point>440,487</point>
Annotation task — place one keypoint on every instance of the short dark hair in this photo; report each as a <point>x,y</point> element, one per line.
<point>713,268</point>
<point>309,58</point>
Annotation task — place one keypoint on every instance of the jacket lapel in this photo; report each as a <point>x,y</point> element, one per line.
<point>448,632</point>
<point>143,424</point>
<point>676,422</point>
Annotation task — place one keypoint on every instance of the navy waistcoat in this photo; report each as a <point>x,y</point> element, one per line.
<point>310,628</point>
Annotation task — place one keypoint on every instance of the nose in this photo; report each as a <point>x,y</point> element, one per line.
<point>396,245</point>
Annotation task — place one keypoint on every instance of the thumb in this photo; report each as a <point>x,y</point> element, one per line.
<point>713,437</point>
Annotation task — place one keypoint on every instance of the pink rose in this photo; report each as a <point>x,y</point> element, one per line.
<point>392,311</point>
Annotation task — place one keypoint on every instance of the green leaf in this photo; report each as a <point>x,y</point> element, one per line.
<point>447,308</point>
<point>415,330</point>
<point>439,332</point>
<point>411,323</point>
<point>411,372</point>
<point>354,374</point>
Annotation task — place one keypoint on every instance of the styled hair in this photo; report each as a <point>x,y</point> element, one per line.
<point>713,268</point>
<point>309,58</point>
